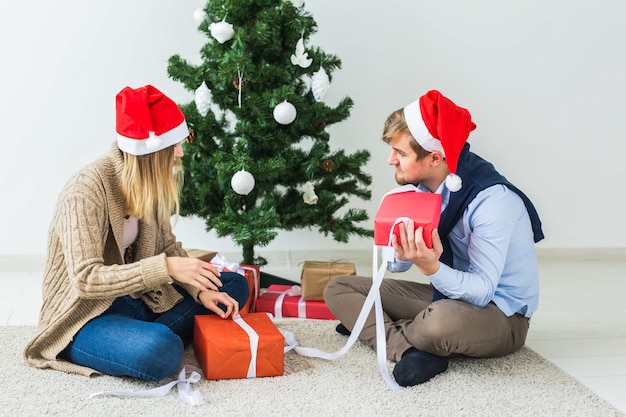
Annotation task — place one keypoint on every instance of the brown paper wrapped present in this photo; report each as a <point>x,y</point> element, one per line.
<point>317,274</point>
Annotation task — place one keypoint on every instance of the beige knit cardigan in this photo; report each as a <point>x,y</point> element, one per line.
<point>85,271</point>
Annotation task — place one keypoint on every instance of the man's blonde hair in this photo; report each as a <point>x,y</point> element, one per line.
<point>395,125</point>
<point>151,184</point>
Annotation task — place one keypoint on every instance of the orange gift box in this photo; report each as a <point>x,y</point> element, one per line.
<point>286,301</point>
<point>224,349</point>
<point>423,208</point>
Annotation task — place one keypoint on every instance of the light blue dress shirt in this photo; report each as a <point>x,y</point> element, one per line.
<point>493,254</point>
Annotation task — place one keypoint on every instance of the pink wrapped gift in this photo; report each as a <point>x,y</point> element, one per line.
<point>286,301</point>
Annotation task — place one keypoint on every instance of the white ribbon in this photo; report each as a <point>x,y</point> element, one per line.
<point>254,344</point>
<point>372,299</point>
<point>240,86</point>
<point>293,344</point>
<point>185,391</point>
<point>401,189</point>
<point>221,263</point>
<point>301,308</point>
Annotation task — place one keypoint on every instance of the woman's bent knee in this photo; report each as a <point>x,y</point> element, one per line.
<point>236,286</point>
<point>159,354</point>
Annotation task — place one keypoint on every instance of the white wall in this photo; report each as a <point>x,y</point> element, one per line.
<point>544,82</point>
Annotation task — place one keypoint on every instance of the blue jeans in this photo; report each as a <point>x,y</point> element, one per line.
<point>129,339</point>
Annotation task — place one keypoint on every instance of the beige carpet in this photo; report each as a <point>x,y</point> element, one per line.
<point>523,384</point>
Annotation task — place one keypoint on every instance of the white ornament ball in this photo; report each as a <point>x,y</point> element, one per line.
<point>453,182</point>
<point>285,113</point>
<point>222,31</point>
<point>242,182</point>
<point>297,3</point>
<point>199,15</point>
<point>320,83</point>
<point>203,99</point>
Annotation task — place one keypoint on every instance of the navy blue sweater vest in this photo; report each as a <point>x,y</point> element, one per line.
<point>477,175</point>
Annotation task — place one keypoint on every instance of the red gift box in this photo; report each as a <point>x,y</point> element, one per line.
<point>286,301</point>
<point>251,272</point>
<point>224,348</point>
<point>423,208</point>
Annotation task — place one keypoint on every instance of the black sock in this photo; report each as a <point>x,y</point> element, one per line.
<point>341,329</point>
<point>409,350</point>
<point>417,367</point>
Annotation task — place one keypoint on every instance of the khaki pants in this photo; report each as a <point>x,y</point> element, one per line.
<point>445,327</point>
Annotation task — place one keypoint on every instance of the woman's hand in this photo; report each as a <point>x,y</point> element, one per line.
<point>193,271</point>
<point>211,299</point>
<point>414,249</point>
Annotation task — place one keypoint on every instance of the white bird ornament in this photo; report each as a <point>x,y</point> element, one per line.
<point>301,57</point>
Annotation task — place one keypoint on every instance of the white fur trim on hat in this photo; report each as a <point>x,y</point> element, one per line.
<point>418,129</point>
<point>153,143</point>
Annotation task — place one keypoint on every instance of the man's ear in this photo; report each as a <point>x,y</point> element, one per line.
<point>436,158</point>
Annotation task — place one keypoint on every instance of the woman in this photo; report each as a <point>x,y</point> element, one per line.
<point>119,292</point>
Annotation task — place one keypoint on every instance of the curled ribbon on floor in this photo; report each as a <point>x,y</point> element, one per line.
<point>185,391</point>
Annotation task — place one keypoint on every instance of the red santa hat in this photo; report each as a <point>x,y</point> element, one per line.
<point>147,121</point>
<point>438,124</point>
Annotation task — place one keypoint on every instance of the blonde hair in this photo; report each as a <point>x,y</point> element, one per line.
<point>396,124</point>
<point>151,184</point>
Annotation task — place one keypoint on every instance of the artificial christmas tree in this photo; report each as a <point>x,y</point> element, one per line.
<point>261,159</point>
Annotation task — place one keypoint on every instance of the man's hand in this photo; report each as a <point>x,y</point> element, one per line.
<point>211,299</point>
<point>413,248</point>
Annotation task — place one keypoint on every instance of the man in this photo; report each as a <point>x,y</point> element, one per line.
<point>482,265</point>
